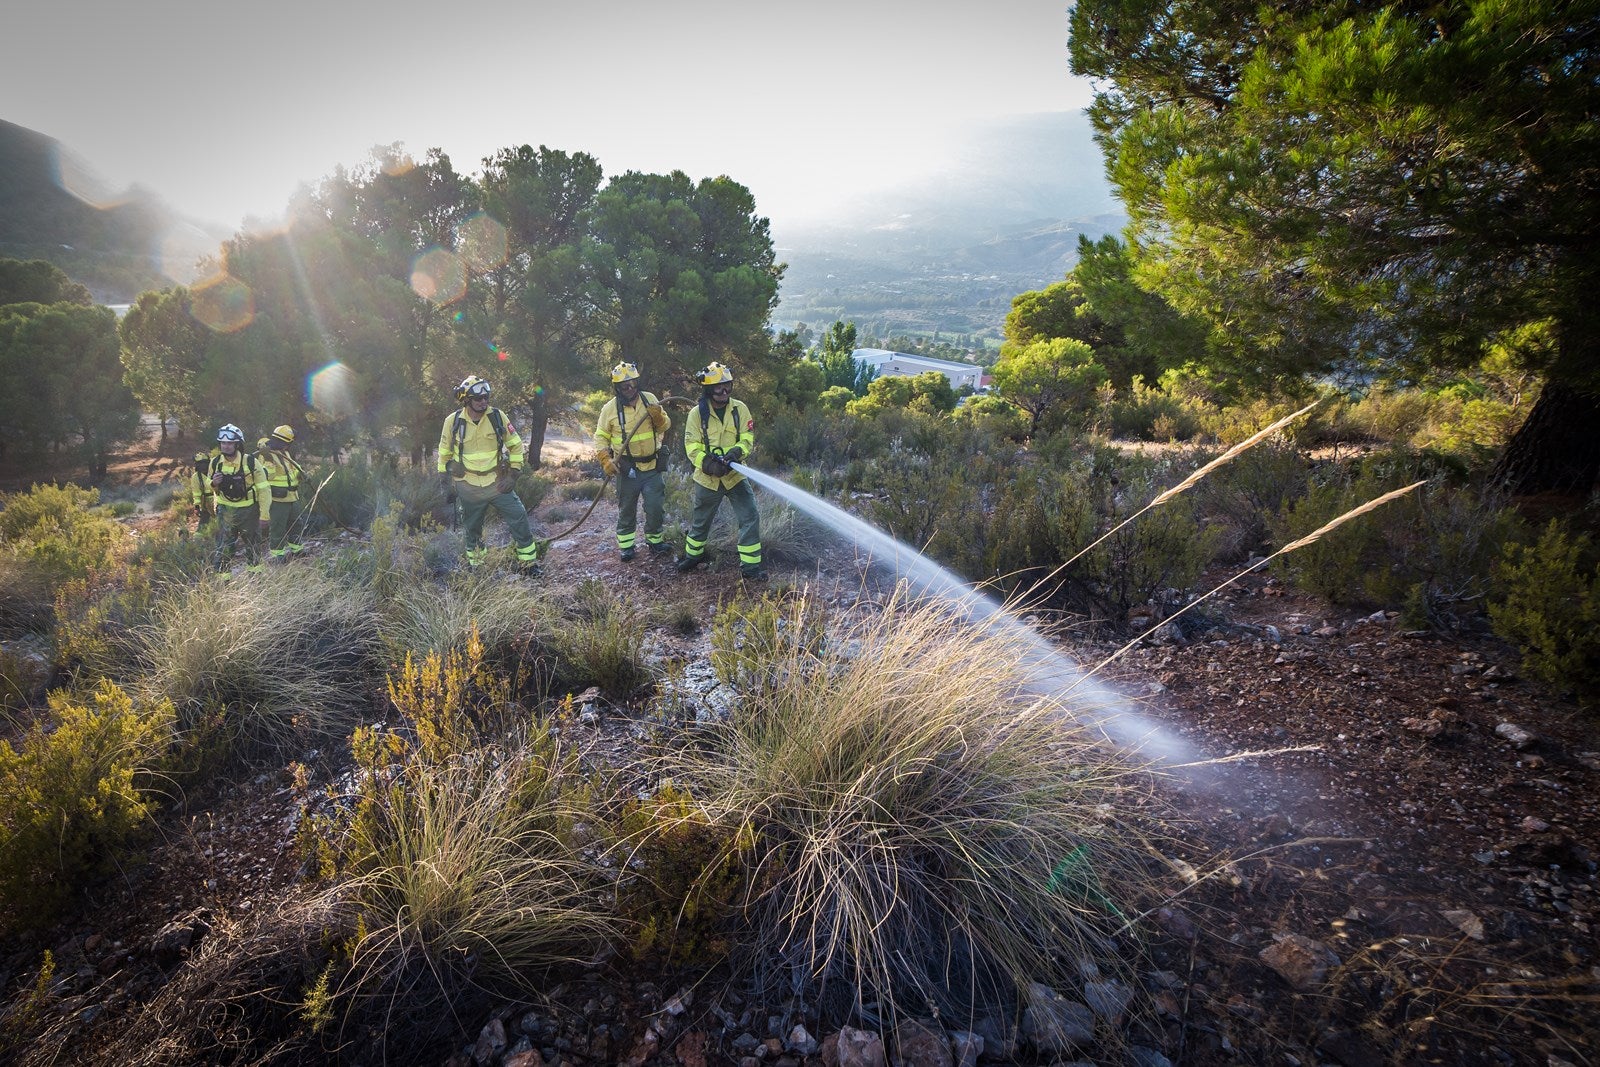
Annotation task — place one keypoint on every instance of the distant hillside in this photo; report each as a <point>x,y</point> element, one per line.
<point>52,208</point>
<point>949,253</point>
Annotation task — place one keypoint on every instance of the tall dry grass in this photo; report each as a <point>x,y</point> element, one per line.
<point>287,654</point>
<point>462,874</point>
<point>928,835</point>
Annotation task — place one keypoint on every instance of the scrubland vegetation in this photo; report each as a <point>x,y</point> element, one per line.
<point>885,821</point>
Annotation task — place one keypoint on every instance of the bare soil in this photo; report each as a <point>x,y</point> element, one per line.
<point>1387,856</point>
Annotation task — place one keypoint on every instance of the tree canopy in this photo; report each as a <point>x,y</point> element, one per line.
<point>1372,188</point>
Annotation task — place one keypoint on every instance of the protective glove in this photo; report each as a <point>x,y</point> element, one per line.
<point>505,482</point>
<point>733,455</point>
<point>448,484</point>
<point>713,466</point>
<point>262,527</point>
<point>658,418</point>
<point>608,464</point>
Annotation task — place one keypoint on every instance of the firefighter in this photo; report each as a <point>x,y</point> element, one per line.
<point>200,492</point>
<point>480,454</point>
<point>718,433</point>
<point>239,486</point>
<point>284,475</point>
<point>627,441</point>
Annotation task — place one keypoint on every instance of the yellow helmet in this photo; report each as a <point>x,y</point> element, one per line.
<point>282,435</point>
<point>473,386</point>
<point>715,374</point>
<point>624,372</point>
<point>262,443</point>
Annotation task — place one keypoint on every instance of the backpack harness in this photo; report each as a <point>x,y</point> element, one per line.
<point>458,436</point>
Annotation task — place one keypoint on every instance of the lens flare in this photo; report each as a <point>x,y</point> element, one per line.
<point>223,303</point>
<point>481,242</point>
<point>439,277</point>
<point>331,390</point>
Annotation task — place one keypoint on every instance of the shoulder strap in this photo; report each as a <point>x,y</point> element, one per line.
<point>498,421</point>
<point>458,433</point>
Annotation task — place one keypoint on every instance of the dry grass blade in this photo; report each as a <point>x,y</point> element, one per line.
<point>1324,529</point>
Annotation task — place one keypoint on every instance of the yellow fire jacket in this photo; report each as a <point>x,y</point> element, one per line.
<point>721,431</point>
<point>634,431</point>
<point>476,445</point>
<point>244,472</point>
<point>283,473</point>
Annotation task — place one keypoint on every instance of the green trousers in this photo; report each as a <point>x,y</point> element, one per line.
<point>285,513</point>
<point>646,484</point>
<point>475,504</point>
<point>237,527</point>
<point>706,502</point>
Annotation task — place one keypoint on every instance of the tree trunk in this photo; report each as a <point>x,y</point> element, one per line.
<point>538,422</point>
<point>1557,450</point>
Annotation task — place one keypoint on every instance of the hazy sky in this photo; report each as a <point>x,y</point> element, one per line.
<point>222,108</point>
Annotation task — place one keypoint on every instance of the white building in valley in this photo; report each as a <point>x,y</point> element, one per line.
<point>905,365</point>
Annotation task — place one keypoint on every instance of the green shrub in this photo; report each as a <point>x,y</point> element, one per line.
<point>685,878</point>
<point>749,637</point>
<point>1547,604</point>
<point>1430,552</point>
<point>49,536</point>
<point>423,617</point>
<point>73,796</point>
<point>1152,413</point>
<point>1241,499</point>
<point>532,489</point>
<point>582,491</point>
<point>349,499</point>
<point>1051,517</point>
<point>922,832</point>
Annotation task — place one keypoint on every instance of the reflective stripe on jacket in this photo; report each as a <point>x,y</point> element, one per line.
<point>733,427</point>
<point>480,446</point>
<point>644,437</point>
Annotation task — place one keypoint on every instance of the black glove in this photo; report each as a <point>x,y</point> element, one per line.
<point>714,466</point>
<point>733,455</point>
<point>448,484</point>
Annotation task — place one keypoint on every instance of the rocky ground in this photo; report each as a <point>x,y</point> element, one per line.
<point>1386,854</point>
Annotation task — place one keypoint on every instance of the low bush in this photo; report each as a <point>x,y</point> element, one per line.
<point>1547,604</point>
<point>923,835</point>
<point>1429,553</point>
<point>50,535</point>
<point>73,796</point>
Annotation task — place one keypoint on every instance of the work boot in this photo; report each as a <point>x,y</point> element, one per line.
<point>659,548</point>
<point>689,563</point>
<point>753,574</point>
<point>627,554</point>
<point>530,569</point>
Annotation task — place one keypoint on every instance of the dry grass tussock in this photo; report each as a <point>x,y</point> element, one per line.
<point>285,654</point>
<point>462,873</point>
<point>929,835</point>
<point>423,617</point>
<point>237,1001</point>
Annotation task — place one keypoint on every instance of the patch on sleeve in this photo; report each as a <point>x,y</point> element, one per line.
<point>750,424</point>
<point>510,429</point>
